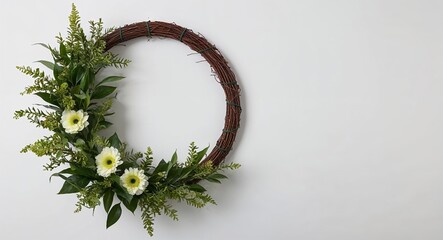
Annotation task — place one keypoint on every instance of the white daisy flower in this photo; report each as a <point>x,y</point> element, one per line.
<point>107,161</point>
<point>74,121</point>
<point>134,180</point>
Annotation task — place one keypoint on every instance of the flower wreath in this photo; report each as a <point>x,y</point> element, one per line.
<point>100,168</point>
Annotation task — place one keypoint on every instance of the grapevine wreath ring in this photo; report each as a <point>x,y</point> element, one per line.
<point>211,54</point>
<point>102,170</point>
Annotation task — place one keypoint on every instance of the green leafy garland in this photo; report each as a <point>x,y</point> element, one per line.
<point>100,168</point>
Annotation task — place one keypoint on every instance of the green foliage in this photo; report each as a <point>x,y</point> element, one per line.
<point>146,163</point>
<point>44,119</point>
<point>114,215</point>
<point>72,85</point>
<point>42,82</point>
<point>172,180</point>
<point>89,196</point>
<point>108,198</point>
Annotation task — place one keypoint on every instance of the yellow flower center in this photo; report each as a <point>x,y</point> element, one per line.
<point>108,162</point>
<point>133,181</point>
<point>74,119</point>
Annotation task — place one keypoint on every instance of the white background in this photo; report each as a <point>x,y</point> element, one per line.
<point>341,130</point>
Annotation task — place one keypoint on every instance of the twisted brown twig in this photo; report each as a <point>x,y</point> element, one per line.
<point>215,59</point>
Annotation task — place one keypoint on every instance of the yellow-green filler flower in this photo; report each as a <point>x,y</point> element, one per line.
<point>108,161</point>
<point>134,180</point>
<point>74,121</point>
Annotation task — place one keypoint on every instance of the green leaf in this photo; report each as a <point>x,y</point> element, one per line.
<point>82,171</point>
<point>186,171</point>
<point>43,45</point>
<point>217,176</point>
<point>77,74</point>
<point>80,96</point>
<point>110,79</point>
<point>55,108</point>
<point>161,167</point>
<point>115,178</point>
<point>88,99</point>
<point>53,51</point>
<point>174,158</point>
<point>200,155</point>
<point>102,91</point>
<point>47,98</point>
<point>197,188</point>
<point>105,124</point>
<point>214,180</point>
<point>79,142</point>
<point>114,215</point>
<point>107,199</point>
<point>132,206</point>
<point>73,184</point>
<point>174,174</point>
<point>59,174</point>
<point>122,193</point>
<point>115,141</point>
<point>48,64</point>
<point>126,165</point>
<point>57,70</point>
<point>170,165</point>
<point>63,52</point>
<point>84,80</point>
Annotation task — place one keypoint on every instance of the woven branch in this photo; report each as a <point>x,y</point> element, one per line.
<point>215,59</point>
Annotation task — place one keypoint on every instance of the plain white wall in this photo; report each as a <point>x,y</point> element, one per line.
<point>342,125</point>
